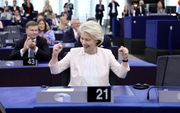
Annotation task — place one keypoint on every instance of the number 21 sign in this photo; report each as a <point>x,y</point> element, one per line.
<point>99,94</point>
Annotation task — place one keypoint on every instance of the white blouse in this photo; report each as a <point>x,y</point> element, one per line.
<point>90,75</point>
<point>89,70</point>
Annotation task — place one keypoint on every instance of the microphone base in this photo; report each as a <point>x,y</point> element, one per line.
<point>140,86</point>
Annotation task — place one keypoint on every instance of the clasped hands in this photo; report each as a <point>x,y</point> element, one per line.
<point>29,43</point>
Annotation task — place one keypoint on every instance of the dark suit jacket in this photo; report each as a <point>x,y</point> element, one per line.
<point>17,8</point>
<point>43,53</point>
<point>99,12</point>
<point>110,6</point>
<point>69,37</point>
<point>26,10</point>
<point>138,13</point>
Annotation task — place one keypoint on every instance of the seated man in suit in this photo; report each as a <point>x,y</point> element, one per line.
<point>72,35</point>
<point>31,42</point>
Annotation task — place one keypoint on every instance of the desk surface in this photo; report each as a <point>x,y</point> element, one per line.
<point>23,99</point>
<point>40,75</point>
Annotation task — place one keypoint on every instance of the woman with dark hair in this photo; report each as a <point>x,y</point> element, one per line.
<point>160,7</point>
<point>45,32</point>
<point>126,11</point>
<point>16,19</point>
<point>63,23</point>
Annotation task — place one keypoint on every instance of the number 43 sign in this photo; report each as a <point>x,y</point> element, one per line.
<point>99,94</point>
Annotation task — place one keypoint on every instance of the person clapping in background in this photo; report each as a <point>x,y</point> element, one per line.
<point>32,42</point>
<point>47,10</point>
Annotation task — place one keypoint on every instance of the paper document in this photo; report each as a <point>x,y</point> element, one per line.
<point>59,89</point>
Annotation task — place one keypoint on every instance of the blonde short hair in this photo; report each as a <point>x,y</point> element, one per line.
<point>94,29</point>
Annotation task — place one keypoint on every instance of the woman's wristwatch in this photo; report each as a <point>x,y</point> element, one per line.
<point>124,60</point>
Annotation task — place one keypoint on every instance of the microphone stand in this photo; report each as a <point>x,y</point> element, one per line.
<point>148,91</point>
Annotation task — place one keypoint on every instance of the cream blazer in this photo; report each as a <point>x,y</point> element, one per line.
<point>75,59</point>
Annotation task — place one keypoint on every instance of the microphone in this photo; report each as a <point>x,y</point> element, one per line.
<point>143,86</point>
<point>148,92</point>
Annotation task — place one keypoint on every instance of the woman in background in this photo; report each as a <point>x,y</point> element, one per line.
<point>160,7</point>
<point>45,32</point>
<point>16,19</point>
<point>126,11</point>
<point>63,23</point>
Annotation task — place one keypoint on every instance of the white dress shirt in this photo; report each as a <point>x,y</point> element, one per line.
<point>75,34</point>
<point>89,70</point>
<point>113,7</point>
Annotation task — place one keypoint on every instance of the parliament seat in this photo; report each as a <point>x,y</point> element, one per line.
<point>162,38</point>
<point>168,73</point>
<point>135,31</point>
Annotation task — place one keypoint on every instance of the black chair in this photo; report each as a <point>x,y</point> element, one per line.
<point>107,42</point>
<point>34,14</point>
<point>2,109</point>
<point>168,71</point>
<point>6,22</point>
<point>14,34</point>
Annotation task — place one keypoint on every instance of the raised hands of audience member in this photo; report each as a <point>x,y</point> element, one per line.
<point>123,52</point>
<point>29,43</point>
<point>32,44</point>
<point>26,44</point>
